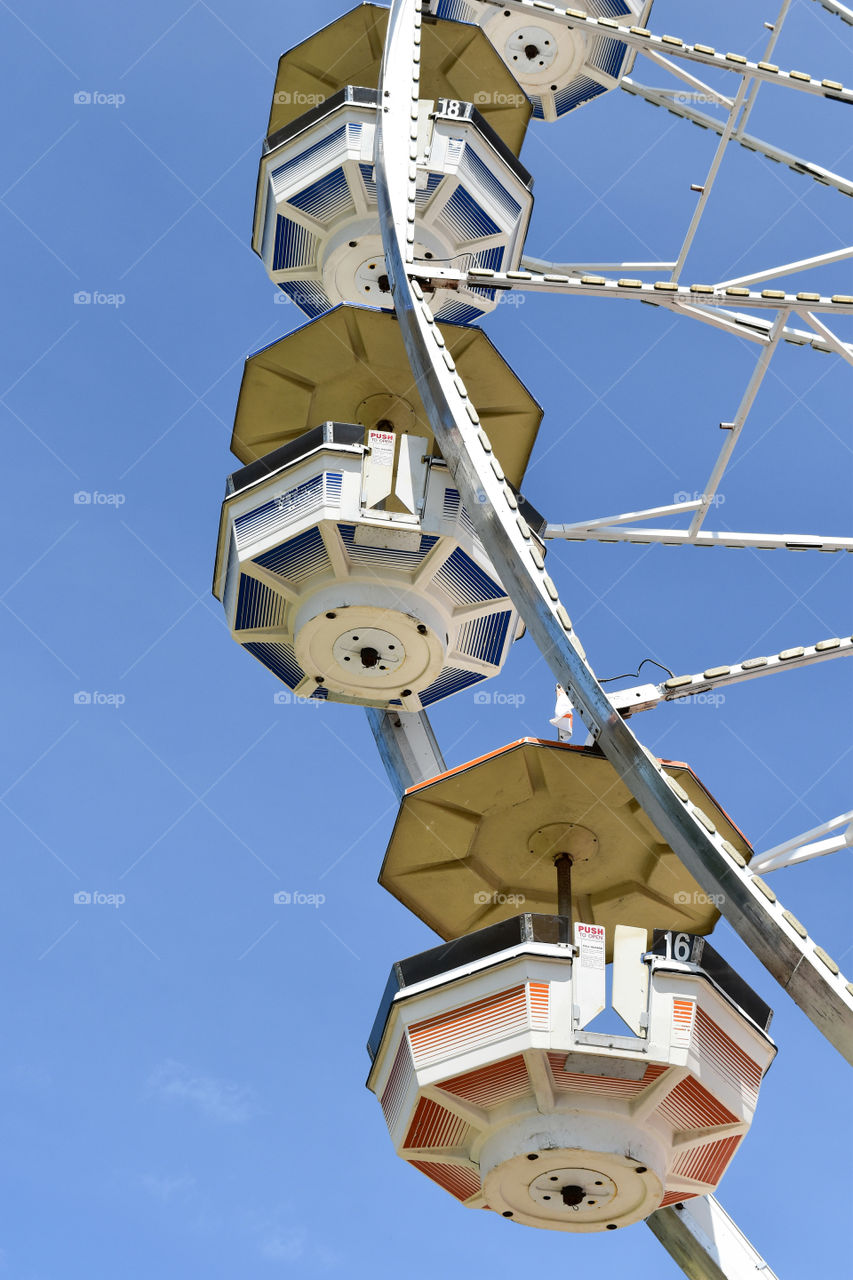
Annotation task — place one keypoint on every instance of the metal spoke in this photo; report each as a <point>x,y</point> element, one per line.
<point>661,292</point>
<point>839,10</point>
<point>811,844</point>
<point>682,538</point>
<point>677,688</point>
<point>701,1237</point>
<point>831,339</point>
<point>641,39</point>
<point>775,32</point>
<point>708,184</point>
<point>667,99</point>
<point>734,429</point>
<point>787,268</point>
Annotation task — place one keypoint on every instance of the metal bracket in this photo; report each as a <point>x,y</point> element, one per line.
<point>407,745</point>
<point>701,1237</point>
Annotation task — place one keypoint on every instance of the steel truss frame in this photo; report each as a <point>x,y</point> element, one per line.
<point>701,297</point>
<point>701,1237</point>
<point>839,10</point>
<point>646,697</point>
<point>672,100</point>
<point>645,41</point>
<point>811,844</point>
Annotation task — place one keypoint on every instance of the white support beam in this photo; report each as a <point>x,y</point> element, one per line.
<point>706,1243</point>
<point>682,538</point>
<point>831,339</point>
<point>681,73</point>
<point>787,268</point>
<point>540,266</point>
<point>407,746</point>
<point>840,10</point>
<point>708,184</point>
<point>733,431</point>
<point>660,292</point>
<point>775,32</point>
<point>677,688</point>
<point>755,328</point>
<point>670,102</point>
<point>641,39</point>
<point>698,302</point>
<point>650,513</point>
<point>811,844</point>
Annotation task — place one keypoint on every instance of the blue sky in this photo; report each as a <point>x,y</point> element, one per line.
<point>183,1070</point>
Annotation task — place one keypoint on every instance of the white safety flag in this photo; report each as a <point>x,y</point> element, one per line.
<point>563,720</point>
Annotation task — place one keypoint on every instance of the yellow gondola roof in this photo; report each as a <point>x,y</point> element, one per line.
<point>457,61</point>
<point>477,845</point>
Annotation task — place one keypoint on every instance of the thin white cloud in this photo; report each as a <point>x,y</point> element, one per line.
<point>283,1246</point>
<point>279,1237</point>
<point>167,1188</point>
<point>217,1099</point>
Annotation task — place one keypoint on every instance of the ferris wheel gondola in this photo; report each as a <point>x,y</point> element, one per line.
<point>357,433</point>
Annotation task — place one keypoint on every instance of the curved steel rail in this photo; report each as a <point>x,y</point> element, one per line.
<point>809,976</point>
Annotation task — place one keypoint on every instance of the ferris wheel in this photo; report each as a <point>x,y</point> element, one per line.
<point>376,549</point>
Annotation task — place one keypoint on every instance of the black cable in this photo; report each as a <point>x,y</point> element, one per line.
<point>635,675</point>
